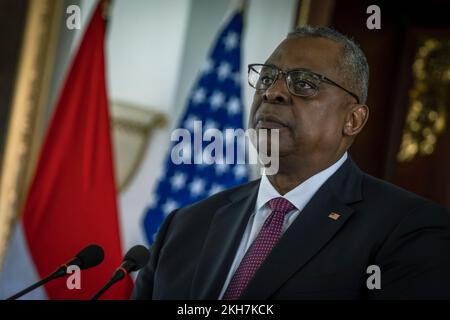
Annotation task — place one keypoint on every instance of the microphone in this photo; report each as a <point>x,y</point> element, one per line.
<point>89,257</point>
<point>136,258</point>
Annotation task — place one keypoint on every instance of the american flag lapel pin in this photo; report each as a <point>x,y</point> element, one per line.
<point>334,216</point>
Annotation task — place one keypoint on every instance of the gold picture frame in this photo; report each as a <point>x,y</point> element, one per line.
<point>28,108</point>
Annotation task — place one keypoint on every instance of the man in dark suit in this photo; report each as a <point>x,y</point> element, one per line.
<point>319,228</point>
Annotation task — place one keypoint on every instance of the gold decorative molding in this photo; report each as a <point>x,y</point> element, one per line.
<point>315,13</point>
<point>429,100</point>
<point>303,13</point>
<point>29,103</point>
<point>132,128</point>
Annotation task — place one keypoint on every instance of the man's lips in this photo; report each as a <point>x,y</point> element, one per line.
<point>269,122</point>
<point>269,125</point>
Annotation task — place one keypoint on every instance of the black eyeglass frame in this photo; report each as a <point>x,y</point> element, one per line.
<point>322,78</point>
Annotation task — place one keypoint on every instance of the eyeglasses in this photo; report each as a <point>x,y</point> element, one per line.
<point>300,82</point>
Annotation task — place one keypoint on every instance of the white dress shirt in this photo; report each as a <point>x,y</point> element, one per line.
<point>299,197</point>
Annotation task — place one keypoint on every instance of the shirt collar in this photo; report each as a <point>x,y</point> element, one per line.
<point>300,195</point>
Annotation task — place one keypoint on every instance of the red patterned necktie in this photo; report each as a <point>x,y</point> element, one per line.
<point>259,249</point>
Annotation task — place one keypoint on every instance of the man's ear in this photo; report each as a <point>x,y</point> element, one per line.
<point>355,119</point>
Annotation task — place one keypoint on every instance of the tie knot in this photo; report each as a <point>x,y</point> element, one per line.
<point>281,205</point>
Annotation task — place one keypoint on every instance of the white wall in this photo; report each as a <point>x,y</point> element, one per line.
<point>145,47</point>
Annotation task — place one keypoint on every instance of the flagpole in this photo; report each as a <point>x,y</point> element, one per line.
<point>242,7</point>
<point>235,6</point>
<point>106,14</point>
<point>106,9</point>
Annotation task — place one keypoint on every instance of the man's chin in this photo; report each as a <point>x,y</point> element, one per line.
<point>286,153</point>
<point>280,153</point>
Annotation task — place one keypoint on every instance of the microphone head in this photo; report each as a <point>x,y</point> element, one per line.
<point>137,257</point>
<point>90,256</point>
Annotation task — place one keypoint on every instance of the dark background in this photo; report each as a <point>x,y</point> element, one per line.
<point>390,52</point>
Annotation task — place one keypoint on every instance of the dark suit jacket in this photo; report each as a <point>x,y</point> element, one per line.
<point>317,257</point>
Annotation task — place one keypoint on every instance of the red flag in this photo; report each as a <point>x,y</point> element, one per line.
<point>72,199</point>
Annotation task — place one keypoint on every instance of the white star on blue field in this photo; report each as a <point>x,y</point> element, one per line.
<point>216,101</point>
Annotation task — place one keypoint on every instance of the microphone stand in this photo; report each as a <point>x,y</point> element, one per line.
<point>119,274</point>
<point>61,271</point>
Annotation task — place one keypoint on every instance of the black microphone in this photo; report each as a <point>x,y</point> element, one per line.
<point>89,257</point>
<point>136,258</point>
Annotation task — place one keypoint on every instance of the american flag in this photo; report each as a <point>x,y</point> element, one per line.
<point>216,101</point>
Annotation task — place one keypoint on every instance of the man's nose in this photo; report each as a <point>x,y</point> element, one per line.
<point>278,93</point>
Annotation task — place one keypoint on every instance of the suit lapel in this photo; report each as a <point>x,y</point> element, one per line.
<point>224,236</point>
<point>311,231</point>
